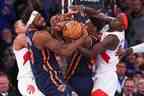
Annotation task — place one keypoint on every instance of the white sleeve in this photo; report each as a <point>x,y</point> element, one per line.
<point>138,48</point>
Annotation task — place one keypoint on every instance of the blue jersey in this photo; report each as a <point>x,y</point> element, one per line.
<point>79,72</point>
<point>50,79</point>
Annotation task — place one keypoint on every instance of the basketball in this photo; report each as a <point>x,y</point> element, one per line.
<point>72,30</point>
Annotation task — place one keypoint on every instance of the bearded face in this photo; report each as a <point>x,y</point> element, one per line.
<point>39,22</point>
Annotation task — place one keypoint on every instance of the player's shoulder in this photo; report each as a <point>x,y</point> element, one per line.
<point>41,35</point>
<point>42,32</point>
<point>20,42</point>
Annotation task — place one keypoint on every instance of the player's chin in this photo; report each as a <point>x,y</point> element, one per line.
<point>57,29</point>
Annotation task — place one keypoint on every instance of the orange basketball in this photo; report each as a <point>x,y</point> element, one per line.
<point>72,30</point>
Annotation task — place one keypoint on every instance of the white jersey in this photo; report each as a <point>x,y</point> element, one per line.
<point>26,81</point>
<point>110,65</point>
<point>23,63</point>
<point>105,78</point>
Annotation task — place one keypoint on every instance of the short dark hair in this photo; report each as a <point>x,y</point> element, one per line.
<point>129,79</point>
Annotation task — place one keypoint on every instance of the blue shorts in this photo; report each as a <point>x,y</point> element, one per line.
<point>48,88</point>
<point>81,85</point>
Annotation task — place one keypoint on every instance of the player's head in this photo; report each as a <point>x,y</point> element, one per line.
<point>20,27</point>
<point>39,22</point>
<point>56,23</point>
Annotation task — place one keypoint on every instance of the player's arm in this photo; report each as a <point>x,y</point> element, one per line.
<point>96,13</point>
<point>137,48</point>
<point>81,8</point>
<point>109,42</point>
<point>122,52</point>
<point>20,42</point>
<point>44,39</point>
<point>86,48</point>
<point>91,12</point>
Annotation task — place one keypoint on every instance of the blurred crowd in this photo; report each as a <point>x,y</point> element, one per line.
<point>130,69</point>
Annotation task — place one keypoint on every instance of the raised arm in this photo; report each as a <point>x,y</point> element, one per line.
<point>109,42</point>
<point>137,48</point>
<point>91,12</point>
<point>122,52</point>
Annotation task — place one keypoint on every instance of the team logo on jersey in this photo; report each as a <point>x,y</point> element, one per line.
<point>105,57</point>
<point>31,89</point>
<point>27,57</point>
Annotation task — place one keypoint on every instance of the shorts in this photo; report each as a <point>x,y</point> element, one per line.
<point>82,85</point>
<point>28,87</point>
<point>107,82</point>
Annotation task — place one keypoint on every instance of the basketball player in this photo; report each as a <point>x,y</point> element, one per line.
<point>105,79</point>
<point>26,81</point>
<point>79,73</point>
<point>47,72</point>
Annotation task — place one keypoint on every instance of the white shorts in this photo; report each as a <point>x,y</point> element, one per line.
<point>28,87</point>
<point>107,82</point>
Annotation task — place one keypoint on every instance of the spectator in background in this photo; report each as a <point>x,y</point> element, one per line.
<point>8,58</point>
<point>121,72</point>
<point>19,5</point>
<point>50,8</point>
<point>134,10</point>
<point>130,61</point>
<point>128,89</point>
<point>7,13</point>
<point>47,8</point>
<point>7,36</point>
<point>134,62</point>
<point>5,87</point>
<point>137,76</point>
<point>137,21</point>
<point>140,87</point>
<point>139,62</point>
<point>126,6</point>
<point>97,4</point>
